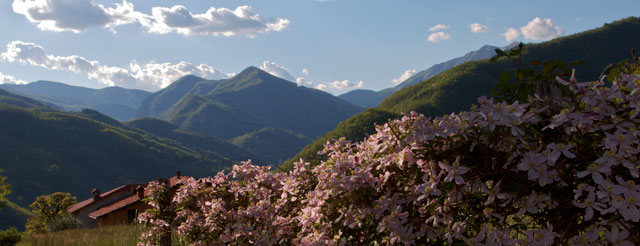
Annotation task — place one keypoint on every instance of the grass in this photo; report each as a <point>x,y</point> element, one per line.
<point>120,235</point>
<point>109,235</point>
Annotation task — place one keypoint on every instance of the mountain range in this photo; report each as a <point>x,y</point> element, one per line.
<point>116,102</point>
<point>458,88</point>
<point>370,98</point>
<point>254,108</point>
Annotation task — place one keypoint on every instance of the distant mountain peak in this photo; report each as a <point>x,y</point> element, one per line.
<point>252,76</point>
<point>190,77</point>
<point>249,70</point>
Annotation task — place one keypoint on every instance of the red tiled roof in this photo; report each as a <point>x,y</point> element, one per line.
<point>75,207</point>
<point>114,206</point>
<point>173,181</point>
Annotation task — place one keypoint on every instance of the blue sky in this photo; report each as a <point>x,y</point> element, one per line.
<point>334,45</point>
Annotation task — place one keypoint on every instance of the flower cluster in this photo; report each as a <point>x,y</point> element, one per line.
<point>542,173</point>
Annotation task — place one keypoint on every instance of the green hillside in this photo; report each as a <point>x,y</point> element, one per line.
<point>20,101</point>
<point>369,98</point>
<point>212,118</point>
<point>44,151</point>
<point>214,146</point>
<point>458,88</point>
<point>157,104</point>
<point>275,145</point>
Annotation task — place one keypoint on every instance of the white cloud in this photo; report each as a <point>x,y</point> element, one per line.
<point>215,21</point>
<point>302,81</point>
<point>277,70</point>
<point>282,72</point>
<point>478,28</point>
<point>8,79</point>
<point>438,27</point>
<point>151,76</point>
<point>407,74</point>
<point>438,36</point>
<point>340,85</point>
<point>76,15</point>
<point>511,34</point>
<point>79,15</point>
<point>541,29</point>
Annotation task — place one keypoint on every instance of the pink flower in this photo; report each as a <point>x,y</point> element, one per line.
<point>453,172</point>
<point>557,149</point>
<point>615,237</point>
<point>596,170</point>
<point>589,204</point>
<point>493,193</point>
<point>531,162</point>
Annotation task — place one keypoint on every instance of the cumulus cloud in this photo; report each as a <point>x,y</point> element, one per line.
<point>438,27</point>
<point>215,21</point>
<point>478,28</point>
<point>277,70</point>
<point>75,15</point>
<point>541,29</point>
<point>537,29</point>
<point>303,81</point>
<point>340,85</point>
<point>438,36</point>
<point>8,79</point>
<point>407,74</point>
<point>151,76</point>
<point>283,73</point>
<point>511,34</point>
<point>79,15</point>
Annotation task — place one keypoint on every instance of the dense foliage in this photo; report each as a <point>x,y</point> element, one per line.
<point>50,213</point>
<point>457,89</point>
<point>5,189</point>
<point>561,169</point>
<point>10,237</point>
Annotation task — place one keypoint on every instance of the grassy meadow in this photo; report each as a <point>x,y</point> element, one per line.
<point>107,236</point>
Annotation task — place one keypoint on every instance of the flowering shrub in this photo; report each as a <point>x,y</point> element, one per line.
<point>554,171</point>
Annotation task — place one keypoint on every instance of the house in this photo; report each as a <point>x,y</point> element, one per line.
<point>120,205</point>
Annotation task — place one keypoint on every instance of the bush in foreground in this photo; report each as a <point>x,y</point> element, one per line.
<point>562,169</point>
<point>10,237</point>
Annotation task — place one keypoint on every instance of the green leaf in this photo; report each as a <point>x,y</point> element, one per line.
<point>607,70</point>
<point>514,52</point>
<point>614,73</point>
<point>499,53</point>
<point>505,78</point>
